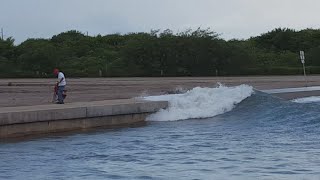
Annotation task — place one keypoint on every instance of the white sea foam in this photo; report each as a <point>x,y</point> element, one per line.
<point>307,99</point>
<point>200,102</point>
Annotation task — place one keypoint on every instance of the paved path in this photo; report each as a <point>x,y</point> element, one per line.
<point>26,92</point>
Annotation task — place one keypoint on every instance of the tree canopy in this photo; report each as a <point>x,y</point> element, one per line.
<point>199,52</point>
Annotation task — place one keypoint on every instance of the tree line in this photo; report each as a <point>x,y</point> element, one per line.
<point>199,52</point>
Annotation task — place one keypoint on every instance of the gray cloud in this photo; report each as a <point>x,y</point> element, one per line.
<point>232,18</point>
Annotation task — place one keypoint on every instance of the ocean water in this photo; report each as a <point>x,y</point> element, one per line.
<point>209,133</point>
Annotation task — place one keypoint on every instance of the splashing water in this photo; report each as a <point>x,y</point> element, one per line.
<point>200,102</point>
<point>311,99</point>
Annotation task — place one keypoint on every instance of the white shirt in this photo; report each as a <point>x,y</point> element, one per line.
<point>63,82</point>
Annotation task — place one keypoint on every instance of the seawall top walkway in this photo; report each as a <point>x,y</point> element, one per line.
<point>77,110</point>
<point>25,92</point>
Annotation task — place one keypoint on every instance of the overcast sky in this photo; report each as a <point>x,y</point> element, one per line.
<point>239,19</point>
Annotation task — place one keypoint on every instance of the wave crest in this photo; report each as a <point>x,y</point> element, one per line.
<point>200,102</point>
<point>311,99</point>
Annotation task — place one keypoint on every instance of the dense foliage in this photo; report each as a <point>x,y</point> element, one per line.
<point>189,53</point>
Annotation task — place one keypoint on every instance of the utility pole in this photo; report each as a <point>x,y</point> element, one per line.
<point>2,33</point>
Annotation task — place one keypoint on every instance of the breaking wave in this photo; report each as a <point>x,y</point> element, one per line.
<point>311,99</point>
<point>200,102</point>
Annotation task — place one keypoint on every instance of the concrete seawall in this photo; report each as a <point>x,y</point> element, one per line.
<point>29,120</point>
<point>294,93</point>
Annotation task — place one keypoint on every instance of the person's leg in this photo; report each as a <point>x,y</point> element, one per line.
<point>60,96</point>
